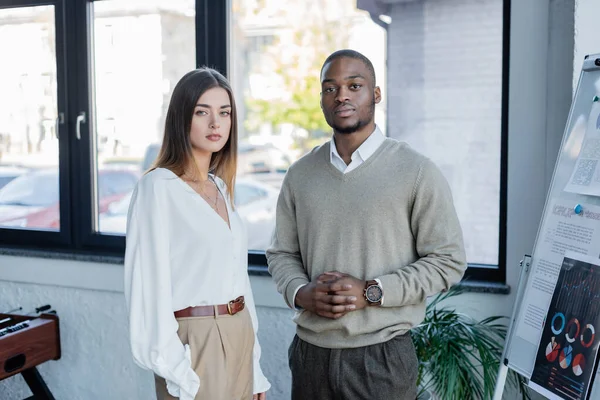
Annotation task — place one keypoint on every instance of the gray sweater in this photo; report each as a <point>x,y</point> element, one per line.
<point>391,218</point>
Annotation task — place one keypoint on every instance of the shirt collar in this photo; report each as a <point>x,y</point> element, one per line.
<point>365,150</point>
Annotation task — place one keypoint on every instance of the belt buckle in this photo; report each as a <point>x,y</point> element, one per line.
<point>229,311</point>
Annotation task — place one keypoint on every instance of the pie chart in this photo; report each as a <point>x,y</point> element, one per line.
<point>573,328</point>
<point>565,357</point>
<point>588,335</point>
<point>552,350</point>
<point>578,364</point>
<point>558,323</point>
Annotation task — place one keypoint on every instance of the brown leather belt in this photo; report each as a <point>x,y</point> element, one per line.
<point>231,308</point>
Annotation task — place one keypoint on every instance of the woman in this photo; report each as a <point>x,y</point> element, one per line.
<point>192,315</point>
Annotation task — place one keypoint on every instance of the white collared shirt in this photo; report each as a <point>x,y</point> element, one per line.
<point>360,155</point>
<point>180,253</point>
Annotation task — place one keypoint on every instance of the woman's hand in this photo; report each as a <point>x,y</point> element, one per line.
<point>260,396</point>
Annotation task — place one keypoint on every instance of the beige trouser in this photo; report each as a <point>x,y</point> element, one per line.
<point>221,350</point>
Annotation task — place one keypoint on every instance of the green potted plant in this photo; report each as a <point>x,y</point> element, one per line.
<point>459,356</point>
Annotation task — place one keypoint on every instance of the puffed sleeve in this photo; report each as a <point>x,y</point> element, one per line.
<point>153,328</point>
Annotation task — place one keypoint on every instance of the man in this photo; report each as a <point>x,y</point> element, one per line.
<point>366,230</point>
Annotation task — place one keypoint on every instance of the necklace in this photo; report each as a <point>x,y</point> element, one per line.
<point>206,197</point>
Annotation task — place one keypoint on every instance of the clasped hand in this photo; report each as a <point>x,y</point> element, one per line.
<point>332,295</point>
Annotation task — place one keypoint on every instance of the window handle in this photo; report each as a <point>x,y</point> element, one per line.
<point>80,120</point>
<point>59,121</point>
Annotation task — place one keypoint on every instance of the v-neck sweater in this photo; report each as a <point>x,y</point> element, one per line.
<point>392,218</point>
<point>180,253</point>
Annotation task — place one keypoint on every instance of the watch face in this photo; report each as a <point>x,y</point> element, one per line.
<point>374,294</point>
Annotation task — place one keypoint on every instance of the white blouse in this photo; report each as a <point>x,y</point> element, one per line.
<point>180,253</point>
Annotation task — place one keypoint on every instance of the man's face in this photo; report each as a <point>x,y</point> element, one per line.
<point>348,96</point>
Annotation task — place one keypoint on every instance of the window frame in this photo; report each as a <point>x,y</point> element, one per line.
<point>41,238</point>
<point>73,21</point>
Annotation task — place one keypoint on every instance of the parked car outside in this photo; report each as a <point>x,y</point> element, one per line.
<point>252,159</point>
<point>254,201</point>
<point>10,172</point>
<point>4,143</point>
<point>32,199</point>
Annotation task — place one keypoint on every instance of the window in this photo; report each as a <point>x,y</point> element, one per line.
<point>440,68</point>
<point>73,146</point>
<point>72,149</point>
<point>29,197</point>
<point>277,48</point>
<point>140,51</point>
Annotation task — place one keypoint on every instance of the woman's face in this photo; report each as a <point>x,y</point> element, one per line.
<point>211,122</point>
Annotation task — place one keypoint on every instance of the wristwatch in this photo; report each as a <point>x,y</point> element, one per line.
<point>373,293</point>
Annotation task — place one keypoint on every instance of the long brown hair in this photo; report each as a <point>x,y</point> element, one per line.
<point>176,150</point>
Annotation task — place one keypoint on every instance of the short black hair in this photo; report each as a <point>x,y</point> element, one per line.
<point>348,53</point>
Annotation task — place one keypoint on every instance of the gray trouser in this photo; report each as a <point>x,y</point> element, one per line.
<point>385,371</point>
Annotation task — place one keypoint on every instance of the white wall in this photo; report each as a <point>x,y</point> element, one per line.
<point>96,363</point>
